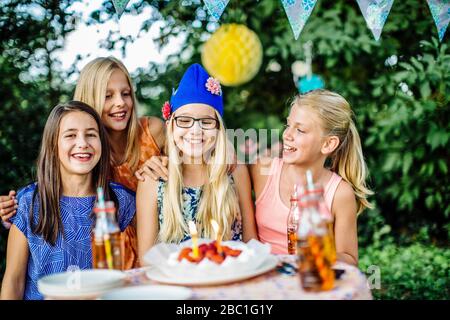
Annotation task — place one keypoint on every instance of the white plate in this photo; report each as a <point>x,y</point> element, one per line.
<point>157,275</point>
<point>151,292</point>
<point>80,283</point>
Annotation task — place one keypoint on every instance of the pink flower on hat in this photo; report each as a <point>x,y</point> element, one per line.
<point>166,110</point>
<point>213,86</point>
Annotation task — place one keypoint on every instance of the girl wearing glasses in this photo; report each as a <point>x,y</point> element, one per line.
<point>198,187</point>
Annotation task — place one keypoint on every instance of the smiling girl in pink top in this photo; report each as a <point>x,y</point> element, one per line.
<point>319,127</point>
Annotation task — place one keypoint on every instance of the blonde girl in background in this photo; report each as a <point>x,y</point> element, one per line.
<point>198,187</point>
<point>319,129</point>
<point>106,85</point>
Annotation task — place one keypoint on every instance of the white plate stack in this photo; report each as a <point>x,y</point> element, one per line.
<point>80,284</point>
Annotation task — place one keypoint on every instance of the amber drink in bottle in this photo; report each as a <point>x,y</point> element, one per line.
<point>309,275</point>
<point>315,269</point>
<point>114,235</point>
<point>102,239</point>
<point>98,244</point>
<point>317,192</point>
<point>292,223</point>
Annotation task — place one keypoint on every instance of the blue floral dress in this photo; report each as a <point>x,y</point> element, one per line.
<point>191,199</point>
<point>73,249</point>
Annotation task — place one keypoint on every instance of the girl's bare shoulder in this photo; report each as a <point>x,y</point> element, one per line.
<point>155,125</point>
<point>259,173</point>
<point>157,129</point>
<point>344,198</point>
<point>261,168</point>
<point>345,191</point>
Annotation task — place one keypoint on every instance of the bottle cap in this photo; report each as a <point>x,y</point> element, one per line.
<point>110,207</point>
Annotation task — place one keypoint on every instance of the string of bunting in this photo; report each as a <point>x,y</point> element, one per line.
<point>375,13</point>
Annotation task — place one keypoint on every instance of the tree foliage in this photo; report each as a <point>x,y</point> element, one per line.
<point>31,83</point>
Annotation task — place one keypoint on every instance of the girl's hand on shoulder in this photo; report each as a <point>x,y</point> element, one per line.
<point>8,206</point>
<point>154,168</point>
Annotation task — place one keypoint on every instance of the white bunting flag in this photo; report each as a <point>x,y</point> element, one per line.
<point>375,13</point>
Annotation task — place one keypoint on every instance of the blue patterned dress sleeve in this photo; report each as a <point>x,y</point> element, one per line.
<point>127,204</point>
<point>22,218</point>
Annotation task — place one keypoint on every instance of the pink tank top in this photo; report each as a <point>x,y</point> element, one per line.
<point>272,213</point>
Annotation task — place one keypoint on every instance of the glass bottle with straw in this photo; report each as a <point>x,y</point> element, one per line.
<point>314,267</point>
<point>98,244</point>
<point>292,222</point>
<point>316,191</point>
<point>102,253</point>
<point>114,235</point>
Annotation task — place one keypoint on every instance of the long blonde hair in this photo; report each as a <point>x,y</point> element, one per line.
<point>347,159</point>
<point>91,89</point>
<point>219,200</point>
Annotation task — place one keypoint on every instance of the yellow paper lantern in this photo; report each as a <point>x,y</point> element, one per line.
<point>233,54</point>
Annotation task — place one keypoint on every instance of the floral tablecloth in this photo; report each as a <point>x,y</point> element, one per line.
<point>275,285</point>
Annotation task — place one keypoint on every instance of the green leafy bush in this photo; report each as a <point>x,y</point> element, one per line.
<point>415,271</point>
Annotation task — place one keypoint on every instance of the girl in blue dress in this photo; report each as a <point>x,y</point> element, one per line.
<point>51,231</point>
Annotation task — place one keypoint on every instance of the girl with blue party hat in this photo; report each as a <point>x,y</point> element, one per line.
<point>199,187</point>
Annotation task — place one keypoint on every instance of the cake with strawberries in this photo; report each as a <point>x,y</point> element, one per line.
<point>228,256</point>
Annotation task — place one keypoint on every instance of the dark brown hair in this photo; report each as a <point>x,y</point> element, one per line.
<point>49,185</point>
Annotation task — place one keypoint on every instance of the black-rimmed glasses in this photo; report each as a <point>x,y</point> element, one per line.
<point>205,123</point>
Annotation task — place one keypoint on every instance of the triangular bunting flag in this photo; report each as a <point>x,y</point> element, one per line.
<point>216,7</point>
<point>375,12</point>
<point>440,10</point>
<point>120,6</point>
<point>298,12</point>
